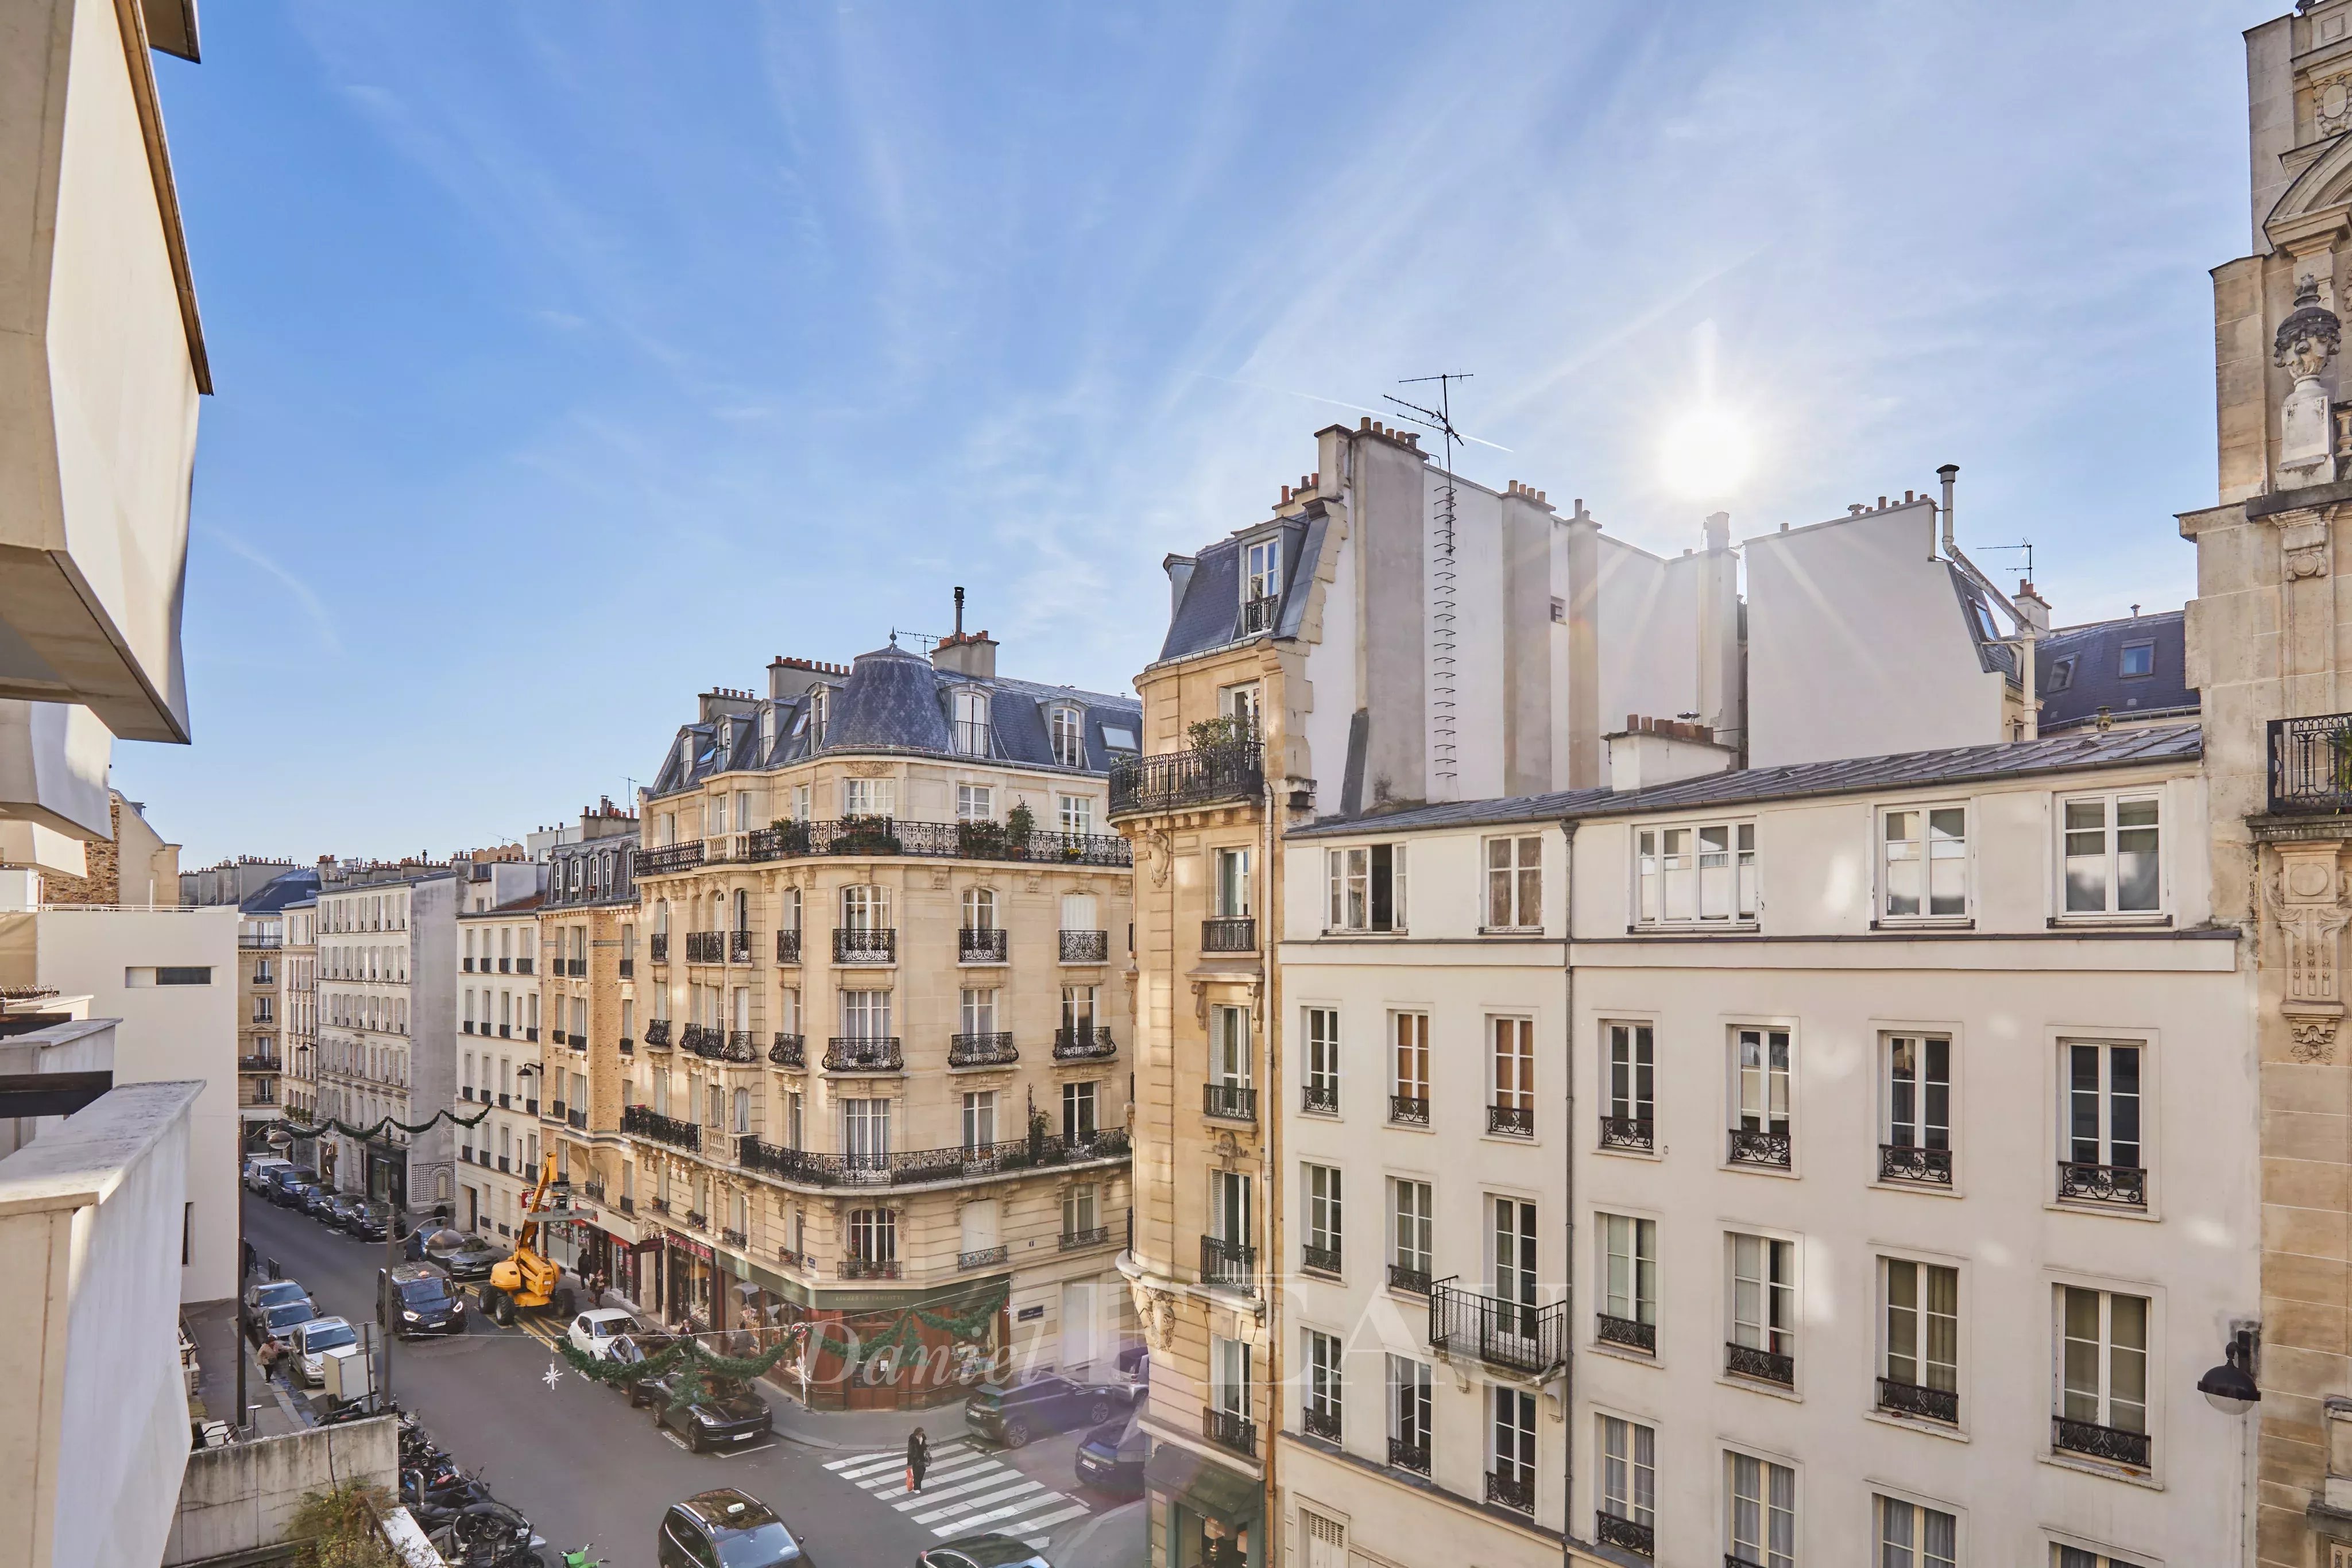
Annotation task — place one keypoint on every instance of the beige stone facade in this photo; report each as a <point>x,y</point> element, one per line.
<point>498,1061</point>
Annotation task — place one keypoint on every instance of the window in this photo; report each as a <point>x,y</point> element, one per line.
<point>1629,1116</point>
<point>1240,704</point>
<point>1229,1376</point>
<point>1515,884</point>
<point>1513,1109</point>
<point>169,975</point>
<point>1921,1328</point>
<point>1120,740</point>
<point>980,1120</point>
<point>865,1128</point>
<point>1410,1085</point>
<point>1629,1274</point>
<point>1763,1301</point>
<point>795,1130</point>
<point>865,907</point>
<point>1368,886</point>
<point>975,803</point>
<point>2061,674</point>
<point>1322,1380</point>
<point>1511,1247</point>
<point>1233,888</point>
<point>971,723</point>
<point>874,1235</point>
<point>1322,1087</point>
<point>1262,568</point>
<point>1916,1109</point>
<point>2139,658</point>
<point>1080,1110</point>
<point>1762,1523</point>
<point>1078,1018</point>
<point>803,808</point>
<point>979,1010</point>
<point>2101,1156</point>
<point>1229,1046</point>
<point>869,797</point>
<point>1409,1413</point>
<point>742,1122</point>
<point>1323,1227</point>
<point>1760,1081</point>
<point>1069,726</point>
<point>1926,864</point>
<point>1081,913</point>
<point>1078,813</point>
<point>866,1014</point>
<point>1696,875</point>
<point>1629,1471</point>
<point>1514,1473</point>
<point>2075,1557</point>
<point>2103,1373</point>
<point>2111,855</point>
<point>1081,1215</point>
<point>1412,1234</point>
<point>1229,1208</point>
<point>820,705</point>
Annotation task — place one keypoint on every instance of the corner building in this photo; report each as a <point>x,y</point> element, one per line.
<point>879,1083</point>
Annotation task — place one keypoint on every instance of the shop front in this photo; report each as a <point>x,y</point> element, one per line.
<point>1212,1517</point>
<point>690,1295</point>
<point>387,1172</point>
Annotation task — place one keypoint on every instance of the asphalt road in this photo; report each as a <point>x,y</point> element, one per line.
<point>583,1466</point>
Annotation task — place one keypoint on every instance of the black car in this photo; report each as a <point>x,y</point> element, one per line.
<point>1013,1413</point>
<point>719,1412</point>
<point>339,1213</point>
<point>368,1221</point>
<point>991,1549</point>
<point>728,1529</point>
<point>319,1203</point>
<point>285,1185</point>
<point>1111,1457</point>
<point>457,1254</point>
<point>425,1303</point>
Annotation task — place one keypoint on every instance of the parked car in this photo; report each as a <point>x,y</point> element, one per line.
<point>313,1340</point>
<point>593,1332</point>
<point>258,1168</point>
<point>279,1323</point>
<point>1013,1412</point>
<point>288,1186</point>
<point>719,1412</point>
<point>635,1349</point>
<point>730,1528</point>
<point>457,1254</point>
<point>426,1304</point>
<point>991,1550</point>
<point>1111,1457</point>
<point>339,1213</point>
<point>319,1203</point>
<point>370,1221</point>
<point>260,1298</point>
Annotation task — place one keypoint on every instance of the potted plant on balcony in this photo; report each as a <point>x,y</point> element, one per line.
<point>1020,823</point>
<point>866,836</point>
<point>792,836</point>
<point>1223,733</point>
<point>983,841</point>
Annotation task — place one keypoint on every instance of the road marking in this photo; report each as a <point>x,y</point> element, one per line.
<point>966,1477</point>
<point>731,1453</point>
<point>965,1507</point>
<point>1046,1522</point>
<point>995,1476</point>
<point>963,1526</point>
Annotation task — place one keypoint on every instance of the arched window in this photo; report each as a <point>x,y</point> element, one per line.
<point>742,911</point>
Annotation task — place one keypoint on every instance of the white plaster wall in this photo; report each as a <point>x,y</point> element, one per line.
<point>168,1032</point>
<point>1649,634</point>
<point>1857,645</point>
<point>1478,622</point>
<point>1331,674</point>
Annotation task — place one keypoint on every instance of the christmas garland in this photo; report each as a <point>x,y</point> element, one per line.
<point>335,1124</point>
<point>699,1364</point>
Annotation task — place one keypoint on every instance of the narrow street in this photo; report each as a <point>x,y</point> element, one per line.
<point>573,1457</point>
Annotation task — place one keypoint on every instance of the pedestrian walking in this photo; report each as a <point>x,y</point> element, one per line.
<point>919,1459</point>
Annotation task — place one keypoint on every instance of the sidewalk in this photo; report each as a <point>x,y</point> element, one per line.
<point>855,1429</point>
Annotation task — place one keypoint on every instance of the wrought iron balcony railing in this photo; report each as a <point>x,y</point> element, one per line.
<point>1086,947</point>
<point>1229,1102</point>
<point>556,1110</point>
<point>1230,1263</point>
<point>669,858</point>
<point>1257,615</point>
<point>1913,1399</point>
<point>659,943</point>
<point>2094,1441</point>
<point>1410,1280</point>
<point>1229,934</point>
<point>629,968</point>
<point>994,1049</point>
<point>874,836</point>
<point>741,1045</point>
<point>1905,1162</point>
<point>2311,765</point>
<point>657,1034</point>
<point>706,947</point>
<point>869,1268</point>
<point>1228,770</point>
<point>700,1039</point>
<point>576,1119</point>
<point>1751,1147</point>
<point>1629,1133</point>
<point>863,1053</point>
<point>1322,1099</point>
<point>1320,1421</point>
<point>522,966</point>
<point>1083,1043</point>
<point>1511,1121</point>
<point>1319,1260</point>
<point>865,945</point>
<point>1513,1489</point>
<point>790,1051</point>
<point>645,1122</point>
<point>739,947</point>
<point>1410,1454</point>
<point>731,1237</point>
<point>1409,1110</point>
<point>1517,1335</point>
<point>1229,1430</point>
<point>914,1167</point>
<point>2125,1187</point>
<point>1764,1365</point>
<point>1626,1332</point>
<point>986,1258</point>
<point>1078,1241</point>
<point>983,944</point>
<point>1624,1534</point>
<point>788,946</point>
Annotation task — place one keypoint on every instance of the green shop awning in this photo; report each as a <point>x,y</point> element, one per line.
<point>1203,1485</point>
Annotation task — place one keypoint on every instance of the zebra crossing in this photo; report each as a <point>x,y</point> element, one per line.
<point>966,1490</point>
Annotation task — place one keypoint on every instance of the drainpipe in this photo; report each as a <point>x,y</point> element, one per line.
<point>1568,1274</point>
<point>1270,1013</point>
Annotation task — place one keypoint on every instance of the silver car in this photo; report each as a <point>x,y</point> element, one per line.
<point>314,1339</point>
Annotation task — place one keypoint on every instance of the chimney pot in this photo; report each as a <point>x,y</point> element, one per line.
<point>1882,503</point>
<point>1907,497</point>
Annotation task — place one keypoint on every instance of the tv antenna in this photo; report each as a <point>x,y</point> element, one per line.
<point>2025,545</point>
<point>1440,618</point>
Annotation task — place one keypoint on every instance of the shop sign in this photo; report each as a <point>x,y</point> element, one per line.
<point>688,1246</point>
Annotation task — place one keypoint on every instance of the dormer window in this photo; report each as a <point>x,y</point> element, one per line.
<point>1987,628</point>
<point>1261,585</point>
<point>1120,740</point>
<point>2139,658</point>
<point>971,732</point>
<point>819,701</point>
<point>767,727</point>
<point>2061,674</point>
<point>1069,727</point>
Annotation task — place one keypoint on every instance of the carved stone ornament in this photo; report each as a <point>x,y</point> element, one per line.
<point>2306,340</point>
<point>2310,335</point>
<point>883,769</point>
<point>2314,1040</point>
<point>1157,1312</point>
<point>2308,562</point>
<point>2306,903</point>
<point>2331,105</point>
<point>1155,850</point>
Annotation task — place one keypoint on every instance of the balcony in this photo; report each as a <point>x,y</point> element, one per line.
<point>790,1051</point>
<point>916,1167</point>
<point>1256,616</point>
<point>1926,1403</point>
<point>1511,1121</point>
<point>1320,1421</point>
<point>863,1053</point>
<point>739,947</point>
<point>556,1110</point>
<point>628,1046</point>
<point>1412,1281</point>
<point>1767,1149</point>
<point>576,1119</point>
<point>1083,1043</point>
<point>1763,1365</point>
<point>1625,1334</point>
<point>259,1064</point>
<point>981,947</point>
<point>1227,771</point>
<point>522,966</point>
<point>1230,1429</point>
<point>629,968</point>
<point>788,946</point>
<point>791,1259</point>
<point>1319,1099</point>
<point>706,947</point>
<point>657,1034</point>
<point>741,1045</point>
<point>971,737</point>
<point>628,1204</point>
<point>2124,1186</point>
<point>996,1049</point>
<point>1086,947</point>
<point>1410,1454</point>
<point>506,965</point>
<point>872,836</point>
<point>1636,1133</point>
<point>643,1122</point>
<point>1229,1102</point>
<point>865,945</point>
<point>869,1268</point>
<point>1624,1534</point>
<point>1079,1241</point>
<point>1514,1335</point>
<point>2096,1442</point>
<point>730,1236</point>
<point>696,1221</point>
<point>1232,1264</point>
<point>699,1039</point>
<point>1319,1260</point>
<point>1229,934</point>
<point>1919,1167</point>
<point>1409,1110</point>
<point>560,1037</point>
<point>1512,1489</point>
<point>466,962</point>
<point>2311,765</point>
<point>660,945</point>
<point>986,1258</point>
<point>658,1206</point>
<point>245,941</point>
<point>668,858</point>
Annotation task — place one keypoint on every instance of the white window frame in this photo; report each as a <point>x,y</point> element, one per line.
<point>1892,1266</point>
<point>1323,1199</point>
<point>1262,568</point>
<point>1231,1055</point>
<point>1886,1506</point>
<point>1626,1268</point>
<point>1077,814</point>
<point>1322,1373</point>
<point>2111,829</point>
<point>1765,1506</point>
<point>1412,1228</point>
<point>1920,851</point>
<point>1355,879</point>
<point>1625,1480</point>
<point>1773,1317</point>
<point>1230,893</point>
<point>1319,1026</point>
<point>975,803</point>
<point>869,798</point>
<point>2102,1388</point>
<point>2103,1141</point>
<point>1763,1095</point>
<point>1068,734</point>
<point>1672,850</point>
<point>1514,883</point>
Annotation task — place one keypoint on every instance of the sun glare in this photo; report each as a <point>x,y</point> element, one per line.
<point>1708,453</point>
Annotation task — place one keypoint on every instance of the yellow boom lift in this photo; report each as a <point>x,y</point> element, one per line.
<point>528,1281</point>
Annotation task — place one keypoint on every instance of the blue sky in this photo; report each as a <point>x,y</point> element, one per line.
<point>571,360</point>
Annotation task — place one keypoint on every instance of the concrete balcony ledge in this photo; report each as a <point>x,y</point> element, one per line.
<point>84,1159</point>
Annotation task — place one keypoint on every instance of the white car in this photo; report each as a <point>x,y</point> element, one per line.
<point>258,1169</point>
<point>592,1332</point>
<point>314,1339</point>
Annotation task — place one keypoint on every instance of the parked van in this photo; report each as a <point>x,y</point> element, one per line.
<point>258,1166</point>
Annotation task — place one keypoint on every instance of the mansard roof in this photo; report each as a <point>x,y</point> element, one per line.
<point>2078,670</point>
<point>1208,616</point>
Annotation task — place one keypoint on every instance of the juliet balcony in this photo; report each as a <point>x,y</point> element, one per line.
<point>865,945</point>
<point>865,1053</point>
<point>2311,765</point>
<point>873,837</point>
<point>1084,1044</point>
<point>987,1050</point>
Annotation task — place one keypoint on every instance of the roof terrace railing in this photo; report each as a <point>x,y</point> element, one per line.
<point>1226,770</point>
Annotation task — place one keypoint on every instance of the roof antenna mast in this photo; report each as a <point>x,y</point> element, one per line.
<point>1440,618</point>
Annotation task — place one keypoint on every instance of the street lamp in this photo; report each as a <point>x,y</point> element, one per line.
<point>2229,1388</point>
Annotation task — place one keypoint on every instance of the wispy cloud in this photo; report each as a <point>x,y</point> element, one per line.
<point>312,605</point>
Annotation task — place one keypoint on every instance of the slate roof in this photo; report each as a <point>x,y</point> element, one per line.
<point>896,701</point>
<point>287,888</point>
<point>1750,786</point>
<point>2078,670</point>
<point>1208,615</point>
